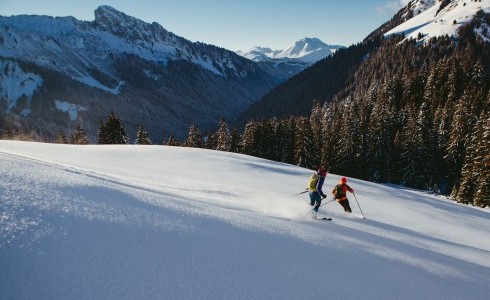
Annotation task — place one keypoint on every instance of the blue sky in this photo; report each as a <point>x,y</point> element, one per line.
<point>236,24</point>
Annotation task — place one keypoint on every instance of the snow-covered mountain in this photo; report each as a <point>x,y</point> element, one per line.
<point>430,18</point>
<point>73,47</point>
<point>117,57</point>
<point>300,55</point>
<point>159,222</point>
<point>307,50</point>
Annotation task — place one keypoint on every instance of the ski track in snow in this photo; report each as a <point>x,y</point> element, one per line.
<point>238,217</point>
<point>33,203</point>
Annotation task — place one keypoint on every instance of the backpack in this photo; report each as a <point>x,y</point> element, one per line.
<point>312,182</point>
<point>339,191</point>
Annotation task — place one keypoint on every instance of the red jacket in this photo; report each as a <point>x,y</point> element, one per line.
<point>342,195</point>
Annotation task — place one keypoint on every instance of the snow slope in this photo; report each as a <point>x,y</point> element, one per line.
<point>158,222</point>
<point>15,83</point>
<point>431,21</point>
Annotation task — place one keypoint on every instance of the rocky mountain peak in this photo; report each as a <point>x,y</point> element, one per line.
<point>108,17</point>
<point>111,20</point>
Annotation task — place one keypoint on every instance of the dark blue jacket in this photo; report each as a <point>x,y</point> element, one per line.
<point>319,184</point>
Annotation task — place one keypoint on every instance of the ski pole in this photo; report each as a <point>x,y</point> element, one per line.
<point>358,205</point>
<point>300,193</point>
<point>309,211</point>
<point>326,203</point>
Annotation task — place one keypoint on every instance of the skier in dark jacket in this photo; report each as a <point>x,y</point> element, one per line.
<point>315,189</point>
<point>340,194</point>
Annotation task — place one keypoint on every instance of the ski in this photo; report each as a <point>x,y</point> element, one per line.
<point>323,219</point>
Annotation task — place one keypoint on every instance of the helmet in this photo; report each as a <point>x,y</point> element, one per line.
<point>343,180</point>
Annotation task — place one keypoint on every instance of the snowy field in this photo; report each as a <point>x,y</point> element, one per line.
<point>157,222</point>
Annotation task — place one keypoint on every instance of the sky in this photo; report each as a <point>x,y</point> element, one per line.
<point>159,222</point>
<point>236,25</point>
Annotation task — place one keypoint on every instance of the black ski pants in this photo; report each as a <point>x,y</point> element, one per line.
<point>345,205</point>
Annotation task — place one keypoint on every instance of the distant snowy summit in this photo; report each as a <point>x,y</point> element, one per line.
<point>307,50</point>
<point>283,64</point>
<point>426,19</point>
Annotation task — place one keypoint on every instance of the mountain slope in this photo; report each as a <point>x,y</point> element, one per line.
<point>119,59</point>
<point>127,222</point>
<point>441,18</point>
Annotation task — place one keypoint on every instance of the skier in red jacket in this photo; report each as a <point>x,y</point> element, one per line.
<point>339,193</point>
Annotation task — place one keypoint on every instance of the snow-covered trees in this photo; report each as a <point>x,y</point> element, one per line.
<point>306,152</point>
<point>223,136</point>
<point>194,138</point>
<point>172,141</point>
<point>112,131</point>
<point>79,137</point>
<point>61,137</point>
<point>142,137</point>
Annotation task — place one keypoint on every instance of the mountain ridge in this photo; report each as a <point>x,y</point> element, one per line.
<point>106,56</point>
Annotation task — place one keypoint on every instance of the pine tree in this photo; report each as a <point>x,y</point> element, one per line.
<point>333,139</point>
<point>112,131</point>
<point>478,73</point>
<point>474,174</point>
<point>194,138</point>
<point>398,162</point>
<point>380,139</point>
<point>408,149</point>
<point>455,83</point>
<point>142,137</point>
<point>481,164</point>
<point>442,129</point>
<point>284,146</point>
<point>61,138</point>
<point>327,134</point>
<point>462,123</point>
<point>427,167</point>
<point>418,149</point>
<point>305,150</point>
<point>248,142</point>
<point>468,177</point>
<point>211,141</point>
<point>101,134</point>
<point>172,141</point>
<point>235,141</point>
<point>355,141</point>
<point>223,136</point>
<point>79,137</point>
<point>266,139</point>
<point>315,121</point>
